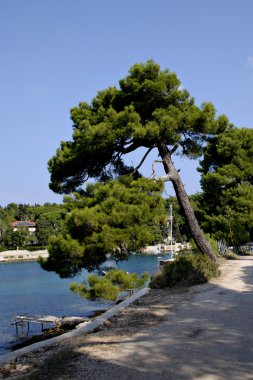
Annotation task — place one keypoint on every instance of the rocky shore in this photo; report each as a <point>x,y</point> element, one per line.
<point>22,255</point>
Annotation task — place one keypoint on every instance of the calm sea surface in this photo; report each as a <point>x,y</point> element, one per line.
<point>26,288</point>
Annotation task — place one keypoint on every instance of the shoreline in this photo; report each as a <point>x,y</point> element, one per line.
<point>19,256</point>
<point>95,324</point>
<point>22,255</point>
<point>67,324</point>
<point>160,334</point>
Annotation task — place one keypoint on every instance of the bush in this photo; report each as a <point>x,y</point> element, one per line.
<point>211,241</point>
<point>229,255</point>
<point>34,248</point>
<point>186,270</point>
<point>109,286</point>
<point>100,288</point>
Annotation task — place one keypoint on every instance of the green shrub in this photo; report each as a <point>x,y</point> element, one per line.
<point>34,248</point>
<point>109,286</point>
<point>229,255</point>
<point>100,288</point>
<point>186,270</point>
<point>211,241</point>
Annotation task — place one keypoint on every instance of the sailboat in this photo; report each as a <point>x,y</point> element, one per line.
<point>170,240</point>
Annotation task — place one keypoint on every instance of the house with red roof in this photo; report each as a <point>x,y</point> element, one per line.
<point>31,226</point>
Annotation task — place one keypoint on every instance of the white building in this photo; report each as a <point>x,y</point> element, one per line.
<point>31,226</point>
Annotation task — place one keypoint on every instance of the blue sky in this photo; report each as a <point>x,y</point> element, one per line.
<point>54,54</point>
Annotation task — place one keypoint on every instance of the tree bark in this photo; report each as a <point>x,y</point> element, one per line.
<point>183,200</point>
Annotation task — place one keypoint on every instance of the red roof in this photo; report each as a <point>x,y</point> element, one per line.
<point>23,223</point>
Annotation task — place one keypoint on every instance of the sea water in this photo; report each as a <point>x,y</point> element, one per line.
<point>27,289</point>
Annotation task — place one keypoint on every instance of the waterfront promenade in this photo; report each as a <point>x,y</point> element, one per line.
<point>202,333</point>
<point>19,255</point>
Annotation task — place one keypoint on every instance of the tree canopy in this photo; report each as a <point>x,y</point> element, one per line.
<point>227,183</point>
<point>115,218</point>
<point>148,110</point>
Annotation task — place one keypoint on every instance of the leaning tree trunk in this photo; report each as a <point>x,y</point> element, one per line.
<point>183,200</point>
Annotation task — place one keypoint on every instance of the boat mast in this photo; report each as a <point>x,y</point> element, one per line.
<point>171,228</point>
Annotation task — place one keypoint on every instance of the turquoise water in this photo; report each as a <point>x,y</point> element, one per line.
<point>26,288</point>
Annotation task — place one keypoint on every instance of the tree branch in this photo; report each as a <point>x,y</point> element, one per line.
<point>167,177</point>
<point>131,148</point>
<point>135,144</point>
<point>174,149</point>
<point>164,178</point>
<point>143,159</point>
<point>153,175</point>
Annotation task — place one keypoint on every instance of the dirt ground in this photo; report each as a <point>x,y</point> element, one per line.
<point>203,332</point>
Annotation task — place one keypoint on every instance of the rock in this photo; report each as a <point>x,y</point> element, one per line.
<point>107,324</point>
<point>70,322</point>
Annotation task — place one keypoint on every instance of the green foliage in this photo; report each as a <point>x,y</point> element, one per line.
<point>186,270</point>
<point>127,280</point>
<point>115,218</point>
<point>102,288</point>
<point>48,219</point>
<point>211,241</point>
<point>16,239</point>
<point>12,211</point>
<point>65,256</point>
<point>148,108</point>
<point>229,255</point>
<point>109,286</point>
<point>227,182</point>
<point>44,229</point>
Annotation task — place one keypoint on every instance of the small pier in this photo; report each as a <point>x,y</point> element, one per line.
<point>22,320</point>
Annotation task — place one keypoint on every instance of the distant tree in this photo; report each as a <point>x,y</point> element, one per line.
<point>4,223</point>
<point>23,212</point>
<point>12,210</point>
<point>16,239</point>
<point>48,224</point>
<point>48,219</point>
<point>149,110</point>
<point>44,229</point>
<point>51,211</point>
<point>18,211</point>
<point>227,183</point>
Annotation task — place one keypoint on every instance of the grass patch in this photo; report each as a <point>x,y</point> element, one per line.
<point>229,255</point>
